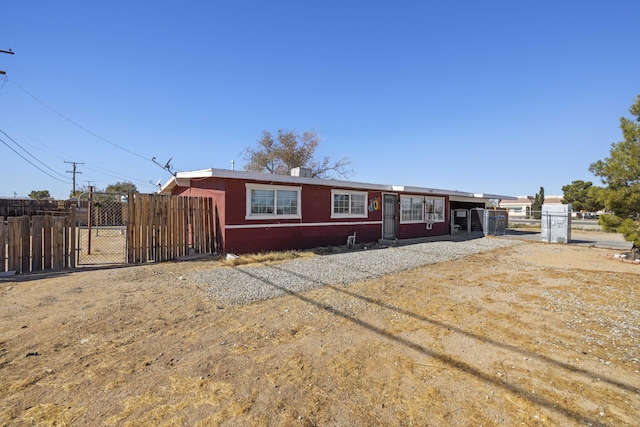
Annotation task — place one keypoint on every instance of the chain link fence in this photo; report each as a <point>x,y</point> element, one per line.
<point>490,222</point>
<point>102,228</point>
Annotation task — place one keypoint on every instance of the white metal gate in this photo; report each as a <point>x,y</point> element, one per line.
<point>491,222</point>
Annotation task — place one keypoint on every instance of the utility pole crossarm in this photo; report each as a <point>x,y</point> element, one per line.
<point>74,172</point>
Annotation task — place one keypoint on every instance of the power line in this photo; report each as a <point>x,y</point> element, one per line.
<point>62,155</point>
<point>10,52</point>
<point>113,174</point>
<point>78,125</point>
<point>32,164</point>
<point>34,157</point>
<point>167,167</point>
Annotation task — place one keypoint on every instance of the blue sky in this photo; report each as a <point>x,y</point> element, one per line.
<point>498,96</point>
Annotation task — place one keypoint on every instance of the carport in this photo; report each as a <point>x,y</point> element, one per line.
<point>473,215</point>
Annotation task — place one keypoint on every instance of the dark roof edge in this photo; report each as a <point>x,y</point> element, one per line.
<point>182,178</point>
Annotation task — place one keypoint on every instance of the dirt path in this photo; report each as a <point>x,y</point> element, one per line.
<point>531,335</point>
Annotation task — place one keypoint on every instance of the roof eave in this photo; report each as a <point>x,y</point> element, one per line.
<point>183,178</point>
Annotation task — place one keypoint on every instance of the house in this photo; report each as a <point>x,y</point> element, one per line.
<point>521,206</point>
<point>258,212</point>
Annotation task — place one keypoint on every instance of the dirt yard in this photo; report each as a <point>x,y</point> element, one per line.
<point>536,334</point>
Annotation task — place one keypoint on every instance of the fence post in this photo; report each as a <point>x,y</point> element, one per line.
<point>131,230</point>
<point>142,206</point>
<point>89,207</point>
<point>58,242</point>
<point>13,254</point>
<point>165,227</point>
<point>209,225</point>
<point>173,253</point>
<point>25,242</point>
<point>184,235</point>
<point>3,239</point>
<point>36,243</point>
<point>72,237</point>
<point>47,238</point>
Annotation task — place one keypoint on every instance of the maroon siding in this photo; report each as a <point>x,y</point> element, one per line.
<point>316,228</point>
<point>412,231</point>
<point>274,238</point>
<point>218,195</point>
<point>316,206</point>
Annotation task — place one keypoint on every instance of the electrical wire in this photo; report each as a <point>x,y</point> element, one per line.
<point>33,164</point>
<point>96,168</point>
<point>87,165</point>
<point>76,124</point>
<point>34,157</point>
<point>118,176</point>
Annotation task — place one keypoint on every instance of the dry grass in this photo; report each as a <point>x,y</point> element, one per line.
<point>267,257</point>
<point>530,335</point>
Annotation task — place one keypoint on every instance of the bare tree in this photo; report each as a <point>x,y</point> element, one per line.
<point>290,150</point>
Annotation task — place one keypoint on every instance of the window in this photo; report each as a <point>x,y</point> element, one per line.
<point>287,202</point>
<point>266,201</point>
<point>416,209</point>
<point>411,209</point>
<point>262,202</point>
<point>348,204</point>
<point>434,209</point>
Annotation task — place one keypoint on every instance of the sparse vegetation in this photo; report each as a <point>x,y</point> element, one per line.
<point>528,335</point>
<point>267,257</point>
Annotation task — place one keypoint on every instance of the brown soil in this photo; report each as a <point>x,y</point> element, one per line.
<point>537,334</point>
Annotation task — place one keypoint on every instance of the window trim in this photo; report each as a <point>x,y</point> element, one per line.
<point>422,211</point>
<point>425,218</point>
<point>251,216</point>
<point>444,209</point>
<point>365,214</point>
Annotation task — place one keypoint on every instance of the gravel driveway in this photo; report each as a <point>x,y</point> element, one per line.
<point>250,283</point>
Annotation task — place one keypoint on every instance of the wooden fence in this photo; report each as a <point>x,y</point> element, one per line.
<point>37,243</point>
<point>30,207</point>
<point>158,228</point>
<point>162,228</point>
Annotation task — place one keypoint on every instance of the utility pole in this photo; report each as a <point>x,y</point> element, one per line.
<point>10,52</point>
<point>74,172</point>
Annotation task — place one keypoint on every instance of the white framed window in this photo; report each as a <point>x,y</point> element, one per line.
<point>273,201</point>
<point>411,209</point>
<point>352,204</point>
<point>434,209</point>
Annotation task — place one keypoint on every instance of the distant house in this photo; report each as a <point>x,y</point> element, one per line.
<point>258,212</point>
<point>521,206</point>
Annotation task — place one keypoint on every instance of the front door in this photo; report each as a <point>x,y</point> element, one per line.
<point>389,216</point>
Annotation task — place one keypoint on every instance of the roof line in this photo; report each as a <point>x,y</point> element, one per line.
<point>261,176</point>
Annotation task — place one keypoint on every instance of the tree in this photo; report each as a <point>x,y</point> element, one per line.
<point>538,201</point>
<point>114,192</point>
<point>40,194</point>
<point>290,150</point>
<point>124,187</point>
<point>582,196</point>
<point>620,172</point>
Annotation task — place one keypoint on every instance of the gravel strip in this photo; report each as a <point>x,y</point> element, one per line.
<point>250,283</point>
